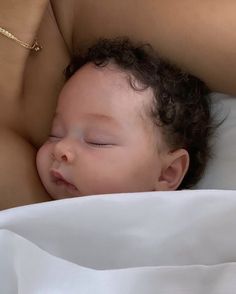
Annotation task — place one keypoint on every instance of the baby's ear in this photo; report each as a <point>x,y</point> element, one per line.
<point>174,168</point>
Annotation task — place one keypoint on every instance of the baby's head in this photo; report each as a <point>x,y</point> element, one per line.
<point>126,121</point>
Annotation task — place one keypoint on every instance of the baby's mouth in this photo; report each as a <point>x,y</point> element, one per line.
<point>59,180</point>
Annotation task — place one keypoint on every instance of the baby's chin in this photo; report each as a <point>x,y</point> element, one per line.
<point>62,192</point>
<point>59,197</point>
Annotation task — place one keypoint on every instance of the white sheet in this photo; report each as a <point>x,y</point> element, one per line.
<point>220,170</point>
<point>162,242</point>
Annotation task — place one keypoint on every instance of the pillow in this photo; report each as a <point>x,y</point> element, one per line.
<point>221,169</point>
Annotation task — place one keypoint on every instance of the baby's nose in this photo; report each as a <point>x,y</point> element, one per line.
<point>63,151</point>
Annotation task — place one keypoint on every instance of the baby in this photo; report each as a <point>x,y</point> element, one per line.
<point>126,121</point>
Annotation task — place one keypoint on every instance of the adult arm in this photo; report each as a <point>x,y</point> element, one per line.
<point>19,182</point>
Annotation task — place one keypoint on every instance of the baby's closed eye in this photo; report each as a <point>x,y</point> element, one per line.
<point>99,140</point>
<point>54,138</point>
<point>99,143</point>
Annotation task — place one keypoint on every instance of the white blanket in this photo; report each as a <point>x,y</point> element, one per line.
<point>161,242</point>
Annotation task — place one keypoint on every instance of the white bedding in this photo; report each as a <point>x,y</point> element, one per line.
<point>160,242</point>
<point>220,171</point>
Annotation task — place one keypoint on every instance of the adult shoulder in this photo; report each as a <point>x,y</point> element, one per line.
<point>199,36</point>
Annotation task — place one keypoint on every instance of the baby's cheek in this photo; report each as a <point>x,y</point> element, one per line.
<point>42,159</point>
<point>101,182</point>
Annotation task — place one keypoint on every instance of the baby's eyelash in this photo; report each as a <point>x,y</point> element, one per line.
<point>98,144</point>
<point>53,137</point>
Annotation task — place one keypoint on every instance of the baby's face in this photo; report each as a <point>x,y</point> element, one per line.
<point>102,140</point>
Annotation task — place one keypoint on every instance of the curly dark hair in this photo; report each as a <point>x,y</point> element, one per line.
<point>181,105</point>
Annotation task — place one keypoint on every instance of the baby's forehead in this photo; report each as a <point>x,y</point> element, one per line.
<point>109,78</point>
<point>107,90</point>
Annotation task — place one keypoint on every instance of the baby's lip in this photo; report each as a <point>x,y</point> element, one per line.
<point>59,180</point>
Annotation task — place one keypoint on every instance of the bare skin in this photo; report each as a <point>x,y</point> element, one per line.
<point>197,35</point>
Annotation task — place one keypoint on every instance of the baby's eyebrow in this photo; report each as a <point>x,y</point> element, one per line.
<point>103,118</point>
